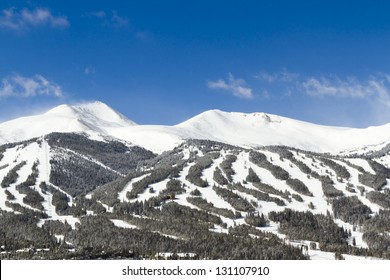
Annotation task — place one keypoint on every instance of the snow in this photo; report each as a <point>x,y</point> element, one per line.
<point>256,129</point>
<point>90,159</point>
<point>316,254</point>
<point>169,255</point>
<point>91,118</point>
<point>322,255</point>
<point>23,174</point>
<point>33,153</point>
<point>314,186</point>
<point>15,156</point>
<point>167,235</point>
<point>266,129</point>
<point>108,208</point>
<point>157,187</point>
<point>152,137</point>
<point>240,166</point>
<point>122,224</point>
<point>247,130</point>
<point>59,237</point>
<point>362,163</point>
<point>208,193</point>
<point>128,187</point>
<point>98,113</point>
<point>9,156</point>
<point>354,180</point>
<point>385,160</point>
<point>357,234</point>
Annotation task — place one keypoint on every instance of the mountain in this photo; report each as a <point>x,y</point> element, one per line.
<point>85,182</point>
<point>245,130</point>
<point>260,129</point>
<point>94,118</point>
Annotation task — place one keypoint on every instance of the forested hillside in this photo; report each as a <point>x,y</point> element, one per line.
<point>65,195</point>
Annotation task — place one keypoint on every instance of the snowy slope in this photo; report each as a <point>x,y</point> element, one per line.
<point>254,130</point>
<point>246,130</point>
<point>42,152</point>
<point>320,202</point>
<point>31,153</point>
<point>91,118</point>
<point>260,129</point>
<point>156,138</point>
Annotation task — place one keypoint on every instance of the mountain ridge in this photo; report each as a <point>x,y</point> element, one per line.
<point>98,120</point>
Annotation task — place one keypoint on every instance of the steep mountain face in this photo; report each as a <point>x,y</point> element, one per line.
<point>81,194</point>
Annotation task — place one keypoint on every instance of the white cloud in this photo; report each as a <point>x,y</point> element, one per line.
<point>235,86</point>
<point>336,87</point>
<point>264,76</point>
<point>24,19</point>
<point>282,76</point>
<point>19,86</point>
<point>376,87</point>
<point>382,91</point>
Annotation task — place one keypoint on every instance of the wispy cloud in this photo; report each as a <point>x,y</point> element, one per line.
<point>237,87</point>
<point>21,20</point>
<point>375,87</point>
<point>119,21</point>
<point>336,87</point>
<point>19,86</point>
<point>281,76</point>
<point>89,70</point>
<point>144,35</point>
<point>98,14</point>
<point>112,19</point>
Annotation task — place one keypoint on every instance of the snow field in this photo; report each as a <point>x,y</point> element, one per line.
<point>256,129</point>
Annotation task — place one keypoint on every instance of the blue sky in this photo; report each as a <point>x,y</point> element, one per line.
<point>162,62</point>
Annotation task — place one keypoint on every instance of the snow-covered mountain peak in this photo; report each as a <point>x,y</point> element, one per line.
<point>100,112</point>
<point>104,112</point>
<point>240,129</point>
<point>61,110</point>
<point>95,112</point>
<point>266,118</point>
<point>262,129</point>
<point>92,118</point>
<point>231,118</point>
